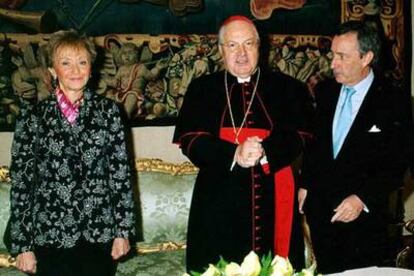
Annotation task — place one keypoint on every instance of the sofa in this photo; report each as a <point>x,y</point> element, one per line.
<point>163,194</point>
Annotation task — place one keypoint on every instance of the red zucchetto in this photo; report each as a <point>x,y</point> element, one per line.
<point>237,18</point>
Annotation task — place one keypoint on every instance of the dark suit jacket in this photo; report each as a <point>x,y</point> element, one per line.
<point>370,163</point>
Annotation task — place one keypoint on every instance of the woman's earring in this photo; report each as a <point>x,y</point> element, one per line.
<point>55,82</point>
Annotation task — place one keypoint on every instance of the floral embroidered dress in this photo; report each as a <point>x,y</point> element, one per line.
<point>70,181</point>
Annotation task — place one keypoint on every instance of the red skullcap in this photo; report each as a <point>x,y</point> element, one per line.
<point>237,18</point>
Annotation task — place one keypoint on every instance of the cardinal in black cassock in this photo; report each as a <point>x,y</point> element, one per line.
<point>235,209</point>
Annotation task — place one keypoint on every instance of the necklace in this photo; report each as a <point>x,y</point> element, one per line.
<point>235,130</point>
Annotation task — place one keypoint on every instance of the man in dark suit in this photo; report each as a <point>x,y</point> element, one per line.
<point>356,159</point>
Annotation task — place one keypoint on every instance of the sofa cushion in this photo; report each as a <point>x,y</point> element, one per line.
<point>164,201</point>
<point>4,209</point>
<point>11,271</point>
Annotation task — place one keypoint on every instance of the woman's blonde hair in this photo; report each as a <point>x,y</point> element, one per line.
<point>72,39</point>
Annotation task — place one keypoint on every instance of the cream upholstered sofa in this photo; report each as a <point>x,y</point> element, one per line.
<point>163,193</point>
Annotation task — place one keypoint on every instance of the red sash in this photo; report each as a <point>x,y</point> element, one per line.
<point>284,192</point>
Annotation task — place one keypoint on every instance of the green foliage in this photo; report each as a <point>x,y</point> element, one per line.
<point>266,262</point>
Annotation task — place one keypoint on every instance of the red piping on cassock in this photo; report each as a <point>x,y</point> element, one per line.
<point>284,187</point>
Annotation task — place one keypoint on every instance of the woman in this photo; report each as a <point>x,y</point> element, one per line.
<point>71,197</point>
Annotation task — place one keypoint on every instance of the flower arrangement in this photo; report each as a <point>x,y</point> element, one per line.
<point>252,266</point>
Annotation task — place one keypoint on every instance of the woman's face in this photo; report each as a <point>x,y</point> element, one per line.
<point>72,68</point>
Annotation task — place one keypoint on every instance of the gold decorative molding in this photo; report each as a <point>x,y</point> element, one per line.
<point>141,165</point>
<point>159,247</point>
<point>7,261</point>
<point>4,174</point>
<point>157,165</point>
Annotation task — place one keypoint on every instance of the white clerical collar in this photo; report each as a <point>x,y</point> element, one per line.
<point>241,80</point>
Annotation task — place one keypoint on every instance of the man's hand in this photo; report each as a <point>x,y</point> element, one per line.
<point>349,209</point>
<point>26,262</point>
<point>120,247</point>
<point>302,193</point>
<point>249,152</point>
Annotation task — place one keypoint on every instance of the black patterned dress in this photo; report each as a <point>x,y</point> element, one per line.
<point>70,183</point>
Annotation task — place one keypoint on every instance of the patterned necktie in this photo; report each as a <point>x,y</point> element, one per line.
<point>344,121</point>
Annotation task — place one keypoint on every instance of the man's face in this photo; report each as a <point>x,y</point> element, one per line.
<point>240,49</point>
<point>348,64</point>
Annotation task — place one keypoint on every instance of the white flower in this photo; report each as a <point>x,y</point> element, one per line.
<point>281,267</point>
<point>306,272</point>
<point>211,271</point>
<point>310,271</point>
<point>251,265</point>
<point>232,269</point>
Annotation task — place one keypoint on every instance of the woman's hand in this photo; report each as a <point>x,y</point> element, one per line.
<point>120,247</point>
<point>26,262</point>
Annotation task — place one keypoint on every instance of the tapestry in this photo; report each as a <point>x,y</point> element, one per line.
<point>148,75</point>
